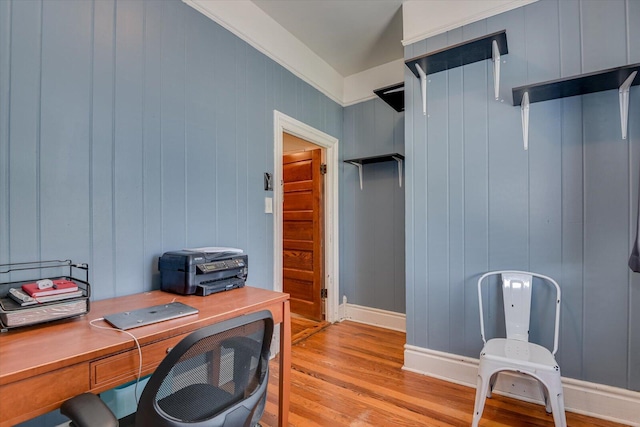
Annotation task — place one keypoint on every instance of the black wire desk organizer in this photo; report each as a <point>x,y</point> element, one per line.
<point>14,315</point>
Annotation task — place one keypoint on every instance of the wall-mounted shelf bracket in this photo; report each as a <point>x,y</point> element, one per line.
<point>359,166</point>
<point>495,56</point>
<point>359,162</point>
<point>423,88</point>
<point>524,113</point>
<point>399,160</point>
<point>624,103</point>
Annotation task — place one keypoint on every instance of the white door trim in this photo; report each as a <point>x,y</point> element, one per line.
<point>283,123</point>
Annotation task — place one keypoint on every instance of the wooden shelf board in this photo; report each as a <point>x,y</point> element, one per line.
<point>375,159</point>
<point>460,54</point>
<point>576,85</point>
<point>395,99</point>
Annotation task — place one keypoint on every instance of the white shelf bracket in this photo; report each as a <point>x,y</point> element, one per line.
<point>524,112</point>
<point>495,56</point>
<point>623,93</point>
<point>423,88</point>
<point>359,165</point>
<point>399,160</point>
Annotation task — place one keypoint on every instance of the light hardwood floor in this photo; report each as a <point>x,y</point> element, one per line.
<point>349,374</point>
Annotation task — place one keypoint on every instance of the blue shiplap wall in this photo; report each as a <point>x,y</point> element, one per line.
<point>372,219</point>
<point>476,201</point>
<point>129,128</point>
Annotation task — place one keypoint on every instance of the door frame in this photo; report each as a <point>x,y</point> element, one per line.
<point>283,123</point>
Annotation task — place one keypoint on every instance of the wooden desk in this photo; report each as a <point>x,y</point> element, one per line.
<point>42,366</point>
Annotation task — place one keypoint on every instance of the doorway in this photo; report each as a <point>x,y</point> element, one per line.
<point>284,124</point>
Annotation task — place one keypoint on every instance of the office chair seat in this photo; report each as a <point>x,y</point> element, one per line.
<point>196,402</point>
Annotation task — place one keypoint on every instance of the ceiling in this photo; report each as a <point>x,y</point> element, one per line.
<point>350,35</point>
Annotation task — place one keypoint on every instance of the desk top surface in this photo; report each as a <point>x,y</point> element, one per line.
<point>29,351</point>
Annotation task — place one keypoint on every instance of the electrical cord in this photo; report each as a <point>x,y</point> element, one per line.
<point>135,391</point>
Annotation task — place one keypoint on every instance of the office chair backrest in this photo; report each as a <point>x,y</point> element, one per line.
<point>516,291</point>
<point>216,376</point>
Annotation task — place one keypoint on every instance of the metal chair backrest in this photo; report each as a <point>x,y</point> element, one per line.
<point>516,294</point>
<point>517,290</point>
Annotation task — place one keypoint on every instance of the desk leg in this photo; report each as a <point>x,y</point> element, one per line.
<point>285,366</point>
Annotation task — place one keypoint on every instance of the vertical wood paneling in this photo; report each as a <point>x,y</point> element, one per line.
<point>572,320</point>
<point>348,215</point>
<point>633,370</point>
<point>545,165</point>
<point>226,180</point>
<point>563,208</point>
<point>102,261</point>
<point>455,159</point>
<point>24,125</point>
<point>475,203</point>
<point>257,141</point>
<point>409,214</point>
<point>603,34</point>
<point>418,232</point>
<point>570,353</point>
<point>63,156</point>
<point>172,126</point>
<point>605,242</point>
<point>398,239</point>
<point>5,79</point>
<point>242,102</point>
<point>633,31</point>
<point>200,124</point>
<point>508,163</point>
<point>289,98</point>
<point>569,33</point>
<point>152,143</point>
<point>606,209</point>
<point>633,38</point>
<point>265,239</point>
<point>437,261</point>
<point>128,150</point>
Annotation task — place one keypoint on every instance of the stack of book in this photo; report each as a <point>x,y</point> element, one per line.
<point>57,290</point>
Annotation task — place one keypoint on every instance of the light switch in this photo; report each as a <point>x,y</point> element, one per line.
<point>268,205</point>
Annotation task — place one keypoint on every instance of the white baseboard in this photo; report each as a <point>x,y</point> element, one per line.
<point>595,400</point>
<point>374,316</point>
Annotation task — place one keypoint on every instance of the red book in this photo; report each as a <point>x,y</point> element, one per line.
<point>60,286</point>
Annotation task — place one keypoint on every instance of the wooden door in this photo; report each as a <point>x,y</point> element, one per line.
<point>303,232</point>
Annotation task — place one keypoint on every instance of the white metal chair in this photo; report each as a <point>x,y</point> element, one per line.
<point>515,353</point>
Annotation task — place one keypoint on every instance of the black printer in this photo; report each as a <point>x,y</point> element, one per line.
<point>202,273</point>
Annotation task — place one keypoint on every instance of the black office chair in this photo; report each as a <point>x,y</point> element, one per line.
<point>215,377</point>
